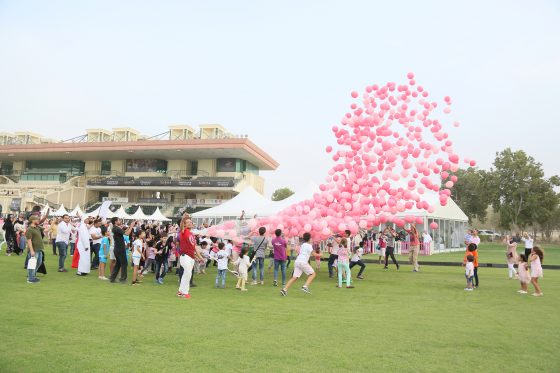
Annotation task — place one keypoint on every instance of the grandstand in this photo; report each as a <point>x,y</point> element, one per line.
<point>177,170</point>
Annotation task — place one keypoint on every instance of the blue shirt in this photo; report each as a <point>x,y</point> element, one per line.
<point>104,249</point>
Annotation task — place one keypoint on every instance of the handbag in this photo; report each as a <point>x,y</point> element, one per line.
<point>32,263</point>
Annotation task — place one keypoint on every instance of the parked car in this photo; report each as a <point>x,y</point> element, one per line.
<point>487,232</point>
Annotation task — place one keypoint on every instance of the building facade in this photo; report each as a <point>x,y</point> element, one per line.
<point>182,168</point>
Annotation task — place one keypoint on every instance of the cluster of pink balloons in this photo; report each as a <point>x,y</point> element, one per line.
<point>391,153</point>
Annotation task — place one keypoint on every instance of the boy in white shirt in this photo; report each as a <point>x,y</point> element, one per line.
<point>221,257</point>
<point>301,265</point>
<point>469,272</point>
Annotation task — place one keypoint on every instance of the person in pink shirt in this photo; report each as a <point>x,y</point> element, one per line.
<point>279,245</point>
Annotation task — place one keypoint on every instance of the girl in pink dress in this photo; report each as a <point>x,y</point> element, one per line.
<point>523,272</point>
<point>511,256</point>
<point>536,259</point>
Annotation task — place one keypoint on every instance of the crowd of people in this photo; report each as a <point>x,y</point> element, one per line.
<point>108,247</point>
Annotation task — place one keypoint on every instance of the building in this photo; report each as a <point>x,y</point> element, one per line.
<point>181,168</point>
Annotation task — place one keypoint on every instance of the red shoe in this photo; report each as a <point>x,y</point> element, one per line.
<point>187,296</point>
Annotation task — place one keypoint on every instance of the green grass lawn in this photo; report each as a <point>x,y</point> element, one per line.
<point>392,321</point>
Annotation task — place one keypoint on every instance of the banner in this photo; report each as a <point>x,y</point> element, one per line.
<point>164,182</point>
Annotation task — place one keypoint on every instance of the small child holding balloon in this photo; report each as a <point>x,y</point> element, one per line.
<point>243,263</point>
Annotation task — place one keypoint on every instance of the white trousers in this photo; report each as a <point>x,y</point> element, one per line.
<point>511,270</point>
<point>187,263</point>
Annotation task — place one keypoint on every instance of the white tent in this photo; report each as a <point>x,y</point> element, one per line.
<point>121,214</point>
<point>275,207</point>
<point>61,211</point>
<point>248,200</point>
<point>139,215</point>
<point>158,216</point>
<point>93,213</point>
<point>76,212</point>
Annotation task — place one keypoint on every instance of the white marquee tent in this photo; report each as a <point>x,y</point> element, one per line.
<point>274,207</point>
<point>121,214</point>
<point>139,215</point>
<point>61,211</point>
<point>248,200</point>
<point>76,212</point>
<point>158,216</point>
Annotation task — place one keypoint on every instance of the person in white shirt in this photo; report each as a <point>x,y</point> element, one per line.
<point>243,263</point>
<point>96,236</point>
<point>528,240</point>
<point>356,259</point>
<point>301,265</point>
<point>469,272</point>
<point>221,257</point>
<point>62,239</point>
<point>137,254</point>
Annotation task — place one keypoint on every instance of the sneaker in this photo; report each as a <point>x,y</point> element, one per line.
<point>469,289</point>
<point>262,282</point>
<point>284,293</point>
<point>350,287</point>
<point>179,294</point>
<point>103,278</point>
<point>414,270</point>
<point>134,283</point>
<point>538,294</point>
<point>522,292</point>
<point>275,283</point>
<point>244,289</point>
<point>34,281</point>
<point>160,281</point>
<point>305,289</point>
<point>186,296</point>
<point>362,277</point>
<point>254,283</point>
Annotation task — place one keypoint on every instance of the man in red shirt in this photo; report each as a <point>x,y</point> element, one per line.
<point>187,246</point>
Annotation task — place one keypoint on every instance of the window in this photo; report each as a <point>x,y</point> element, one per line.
<point>105,167</point>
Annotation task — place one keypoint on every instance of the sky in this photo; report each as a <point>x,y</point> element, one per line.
<point>282,71</point>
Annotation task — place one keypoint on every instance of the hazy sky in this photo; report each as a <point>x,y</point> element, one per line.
<point>281,71</point>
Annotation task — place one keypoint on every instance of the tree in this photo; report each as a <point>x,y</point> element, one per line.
<point>470,192</point>
<point>519,191</point>
<point>281,194</point>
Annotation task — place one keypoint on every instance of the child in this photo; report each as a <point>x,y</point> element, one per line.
<point>162,253</point>
<point>382,248</point>
<point>137,246</point>
<point>222,258</point>
<point>472,250</point>
<point>523,272</point>
<point>356,259</point>
<point>301,265</point>
<point>317,254</point>
<point>343,264</point>
<point>172,258</point>
<point>151,257</point>
<point>536,258</point>
<point>511,256</point>
<point>203,251</point>
<point>103,254</point>
<point>469,272</point>
<point>243,263</point>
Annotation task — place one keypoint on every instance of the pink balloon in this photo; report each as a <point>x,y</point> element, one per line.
<point>433,225</point>
<point>329,149</point>
<point>354,94</point>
